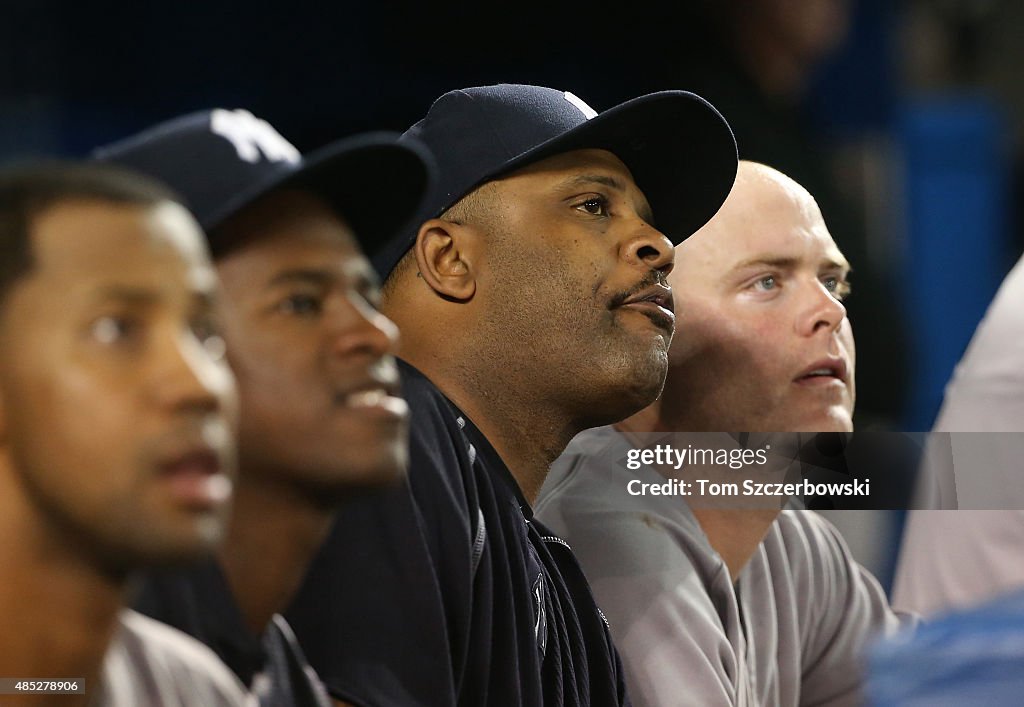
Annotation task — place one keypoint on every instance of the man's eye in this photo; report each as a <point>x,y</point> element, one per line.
<point>765,283</point>
<point>595,206</point>
<point>113,329</point>
<point>301,305</point>
<point>839,288</point>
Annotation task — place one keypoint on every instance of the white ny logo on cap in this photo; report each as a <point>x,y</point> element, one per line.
<point>586,110</point>
<point>252,136</point>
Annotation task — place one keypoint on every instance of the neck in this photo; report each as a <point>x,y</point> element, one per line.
<point>275,533</point>
<point>528,433</point>
<point>734,533</point>
<point>58,612</point>
<point>525,445</point>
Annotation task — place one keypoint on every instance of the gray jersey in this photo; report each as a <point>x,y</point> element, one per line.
<point>155,665</point>
<point>792,630</point>
<point>955,559</point>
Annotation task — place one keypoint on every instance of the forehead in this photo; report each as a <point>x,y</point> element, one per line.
<point>764,219</point>
<point>576,160</point>
<point>567,165</point>
<point>577,170</point>
<point>286,229</point>
<point>79,242</point>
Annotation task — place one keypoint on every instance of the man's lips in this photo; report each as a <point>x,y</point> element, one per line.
<point>196,477</point>
<point>655,302</point>
<point>824,371</point>
<point>377,394</point>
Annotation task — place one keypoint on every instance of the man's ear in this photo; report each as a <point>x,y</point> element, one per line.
<point>444,257</point>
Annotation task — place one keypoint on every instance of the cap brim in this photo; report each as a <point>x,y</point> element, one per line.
<point>679,148</point>
<point>374,182</point>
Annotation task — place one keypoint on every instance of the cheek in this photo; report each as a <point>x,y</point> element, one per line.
<point>270,365</point>
<point>556,264</point>
<point>80,429</point>
<point>548,295</point>
<point>277,390</point>
<point>741,347</point>
<point>93,407</point>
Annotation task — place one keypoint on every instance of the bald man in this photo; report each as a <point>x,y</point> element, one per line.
<point>713,605</point>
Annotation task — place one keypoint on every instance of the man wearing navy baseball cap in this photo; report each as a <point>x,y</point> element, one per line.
<point>320,412</point>
<point>533,304</point>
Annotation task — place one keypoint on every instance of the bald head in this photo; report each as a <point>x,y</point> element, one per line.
<point>765,210</point>
<point>762,342</point>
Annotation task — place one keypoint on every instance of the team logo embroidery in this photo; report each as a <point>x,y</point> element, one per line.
<point>252,137</point>
<point>586,110</point>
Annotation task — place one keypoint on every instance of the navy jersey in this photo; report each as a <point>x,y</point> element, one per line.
<point>446,591</point>
<point>199,602</point>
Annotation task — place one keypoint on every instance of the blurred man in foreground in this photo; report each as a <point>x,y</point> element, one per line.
<point>116,423</point>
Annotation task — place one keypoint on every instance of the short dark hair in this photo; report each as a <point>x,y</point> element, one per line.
<point>28,190</point>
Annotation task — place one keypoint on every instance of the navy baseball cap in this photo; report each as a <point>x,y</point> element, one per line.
<point>220,161</point>
<point>680,150</point>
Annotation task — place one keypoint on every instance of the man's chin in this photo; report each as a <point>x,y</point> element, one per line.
<point>832,420</point>
<point>624,399</point>
<point>373,466</point>
<point>179,546</point>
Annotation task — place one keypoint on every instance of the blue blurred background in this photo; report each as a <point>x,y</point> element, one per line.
<point>902,118</point>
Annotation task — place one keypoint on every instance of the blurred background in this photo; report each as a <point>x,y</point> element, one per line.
<point>904,119</point>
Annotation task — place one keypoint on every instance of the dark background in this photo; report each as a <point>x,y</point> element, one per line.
<point>901,118</point>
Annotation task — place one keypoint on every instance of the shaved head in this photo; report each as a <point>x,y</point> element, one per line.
<point>761,199</point>
<point>763,342</point>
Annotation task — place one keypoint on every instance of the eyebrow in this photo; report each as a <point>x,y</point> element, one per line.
<point>304,275</point>
<point>644,210</point>
<point>789,263</point>
<point>140,297</point>
<point>128,295</point>
<point>324,277</point>
<point>581,179</point>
